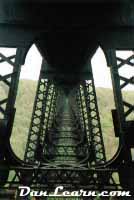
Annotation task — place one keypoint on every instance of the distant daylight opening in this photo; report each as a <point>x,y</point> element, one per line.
<point>132,153</point>
<point>25,100</point>
<point>103,85</point>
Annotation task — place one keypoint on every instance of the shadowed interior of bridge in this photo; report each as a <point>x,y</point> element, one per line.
<point>61,134</point>
<point>66,138</point>
<point>65,141</point>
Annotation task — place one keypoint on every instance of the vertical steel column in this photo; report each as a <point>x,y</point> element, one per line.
<point>20,52</point>
<point>91,120</point>
<point>36,130</point>
<point>118,87</point>
<point>36,121</point>
<point>124,126</point>
<point>42,118</point>
<point>94,122</point>
<point>7,109</point>
<point>14,80</point>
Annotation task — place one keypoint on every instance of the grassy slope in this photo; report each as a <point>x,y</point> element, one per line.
<point>24,108</point>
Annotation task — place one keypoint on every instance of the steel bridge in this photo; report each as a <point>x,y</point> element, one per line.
<point>65,141</point>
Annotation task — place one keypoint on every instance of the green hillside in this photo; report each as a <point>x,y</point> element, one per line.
<point>24,106</point>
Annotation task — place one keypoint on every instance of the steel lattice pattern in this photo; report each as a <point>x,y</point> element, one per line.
<point>65,141</point>
<point>70,135</point>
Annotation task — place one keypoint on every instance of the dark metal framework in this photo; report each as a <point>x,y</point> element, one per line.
<point>74,157</point>
<point>91,119</point>
<point>123,116</point>
<point>10,80</point>
<point>65,140</point>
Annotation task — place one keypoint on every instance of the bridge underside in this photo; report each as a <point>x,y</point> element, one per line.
<point>65,141</point>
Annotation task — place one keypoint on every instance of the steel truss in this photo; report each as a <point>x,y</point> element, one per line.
<point>42,119</point>
<point>11,81</point>
<point>74,157</point>
<point>7,109</point>
<point>90,115</point>
<point>123,117</point>
<point>90,121</point>
<point>78,145</point>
